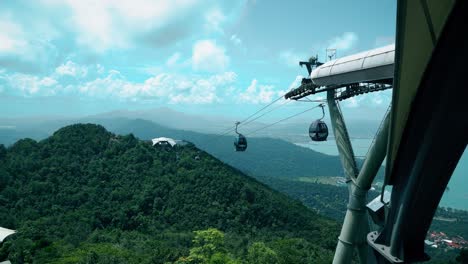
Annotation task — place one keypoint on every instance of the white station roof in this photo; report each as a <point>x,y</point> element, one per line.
<point>5,232</point>
<point>371,65</point>
<point>164,140</point>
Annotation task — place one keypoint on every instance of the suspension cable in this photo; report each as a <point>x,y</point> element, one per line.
<point>282,120</point>
<point>263,108</point>
<point>246,120</point>
<point>271,110</point>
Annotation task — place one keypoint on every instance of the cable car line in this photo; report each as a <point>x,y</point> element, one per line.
<point>282,120</point>
<point>231,129</point>
<point>308,100</point>
<point>263,108</point>
<point>279,106</point>
<point>227,131</point>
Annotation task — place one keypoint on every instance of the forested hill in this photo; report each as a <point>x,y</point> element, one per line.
<point>85,195</point>
<point>265,157</point>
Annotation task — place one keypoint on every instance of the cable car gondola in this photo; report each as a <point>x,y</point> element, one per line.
<point>318,130</point>
<point>240,143</point>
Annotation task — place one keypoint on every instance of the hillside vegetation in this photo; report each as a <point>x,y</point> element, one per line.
<point>265,157</point>
<point>85,195</point>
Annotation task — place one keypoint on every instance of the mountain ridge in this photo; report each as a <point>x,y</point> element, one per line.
<point>74,190</point>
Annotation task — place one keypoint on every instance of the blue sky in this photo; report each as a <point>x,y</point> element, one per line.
<point>75,58</point>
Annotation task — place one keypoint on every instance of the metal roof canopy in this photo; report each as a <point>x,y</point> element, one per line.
<point>367,66</point>
<point>430,113</point>
<point>164,140</point>
<point>364,72</point>
<point>5,232</point>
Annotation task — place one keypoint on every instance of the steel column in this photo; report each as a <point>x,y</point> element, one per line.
<point>355,225</point>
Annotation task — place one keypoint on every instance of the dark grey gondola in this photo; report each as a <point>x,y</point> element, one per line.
<point>240,143</point>
<point>318,130</point>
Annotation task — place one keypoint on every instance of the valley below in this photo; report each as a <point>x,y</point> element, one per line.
<point>87,194</point>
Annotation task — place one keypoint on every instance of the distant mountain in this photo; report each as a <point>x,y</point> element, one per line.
<point>85,195</point>
<point>264,156</point>
<point>295,132</point>
<point>173,119</point>
<point>9,135</point>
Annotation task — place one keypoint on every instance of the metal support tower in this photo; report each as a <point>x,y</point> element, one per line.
<point>355,227</point>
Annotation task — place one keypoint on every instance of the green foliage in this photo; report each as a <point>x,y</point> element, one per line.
<point>264,156</point>
<point>208,247</point>
<point>261,254</point>
<point>85,195</point>
<point>207,242</point>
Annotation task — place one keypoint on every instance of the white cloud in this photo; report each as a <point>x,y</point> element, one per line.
<point>172,61</point>
<point>170,87</point>
<point>12,38</point>
<point>208,56</point>
<point>344,42</point>
<point>377,100</point>
<point>72,69</point>
<point>291,58</point>
<point>214,19</point>
<point>109,24</point>
<point>257,94</point>
<point>47,82</point>
<point>205,90</point>
<point>99,69</point>
<point>296,82</point>
<point>25,47</point>
<point>164,87</point>
<point>236,40</point>
<point>28,85</point>
<point>95,25</point>
<point>353,102</point>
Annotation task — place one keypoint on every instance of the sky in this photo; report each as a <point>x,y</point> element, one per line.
<point>229,58</point>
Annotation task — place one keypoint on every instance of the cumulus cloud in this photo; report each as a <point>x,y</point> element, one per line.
<point>236,40</point>
<point>163,87</point>
<point>291,58</point>
<point>344,42</point>
<point>208,56</point>
<point>296,82</point>
<point>352,102</point>
<point>377,100</point>
<point>72,69</point>
<point>173,59</point>
<point>259,93</point>
<point>117,23</point>
<point>214,18</point>
<point>12,38</point>
<point>28,85</point>
<point>21,48</point>
<point>171,88</point>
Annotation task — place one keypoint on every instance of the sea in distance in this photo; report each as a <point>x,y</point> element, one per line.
<point>456,195</point>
